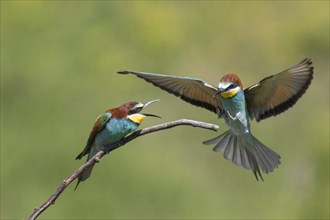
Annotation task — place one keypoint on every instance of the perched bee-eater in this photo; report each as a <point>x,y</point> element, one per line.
<point>269,97</point>
<point>110,127</point>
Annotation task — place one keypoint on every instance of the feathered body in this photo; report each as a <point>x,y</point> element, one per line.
<point>269,97</point>
<point>114,130</point>
<point>238,143</point>
<point>234,107</point>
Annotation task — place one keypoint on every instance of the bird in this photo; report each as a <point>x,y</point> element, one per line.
<point>110,127</point>
<point>237,106</point>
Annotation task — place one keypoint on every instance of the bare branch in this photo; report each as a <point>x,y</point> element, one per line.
<point>51,200</point>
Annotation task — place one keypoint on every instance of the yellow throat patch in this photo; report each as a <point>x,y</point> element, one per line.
<point>230,93</point>
<point>136,118</point>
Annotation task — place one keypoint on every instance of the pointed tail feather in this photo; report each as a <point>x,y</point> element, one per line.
<point>84,175</point>
<point>246,151</point>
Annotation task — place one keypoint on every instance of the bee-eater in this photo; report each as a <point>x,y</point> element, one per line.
<point>269,97</point>
<point>110,127</point>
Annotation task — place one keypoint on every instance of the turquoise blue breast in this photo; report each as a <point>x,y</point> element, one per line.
<point>235,107</point>
<point>114,130</point>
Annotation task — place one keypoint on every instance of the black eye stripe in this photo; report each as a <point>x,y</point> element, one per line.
<point>135,110</point>
<point>231,86</point>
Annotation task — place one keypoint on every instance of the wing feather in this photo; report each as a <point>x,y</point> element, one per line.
<point>192,90</point>
<point>99,124</point>
<point>277,93</point>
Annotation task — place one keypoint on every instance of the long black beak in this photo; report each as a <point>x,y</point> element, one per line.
<point>218,92</point>
<point>151,115</point>
<point>148,103</point>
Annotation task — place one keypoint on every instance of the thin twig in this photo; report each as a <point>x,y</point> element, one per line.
<point>51,200</point>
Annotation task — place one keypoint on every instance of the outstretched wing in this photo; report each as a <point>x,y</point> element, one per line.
<point>277,93</point>
<point>192,90</point>
<point>99,124</point>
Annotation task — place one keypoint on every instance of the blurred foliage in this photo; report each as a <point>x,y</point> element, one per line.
<point>58,72</point>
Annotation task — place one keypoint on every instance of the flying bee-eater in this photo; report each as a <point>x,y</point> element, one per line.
<point>110,127</point>
<point>269,97</point>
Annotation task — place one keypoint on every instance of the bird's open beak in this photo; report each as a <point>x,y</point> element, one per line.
<point>148,103</point>
<point>151,115</point>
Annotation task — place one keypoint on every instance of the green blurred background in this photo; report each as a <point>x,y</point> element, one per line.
<point>58,73</point>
